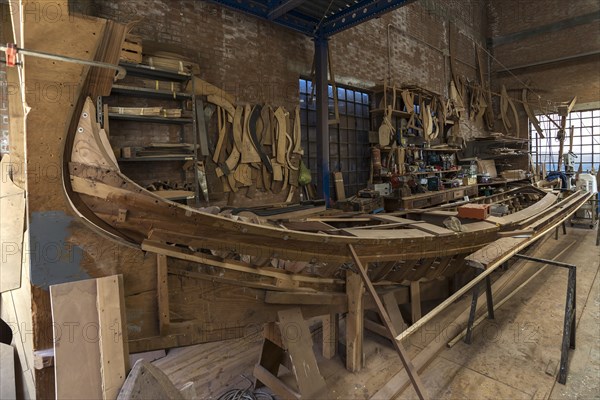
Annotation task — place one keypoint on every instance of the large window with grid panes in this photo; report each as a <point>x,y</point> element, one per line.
<point>586,140</point>
<point>348,140</point>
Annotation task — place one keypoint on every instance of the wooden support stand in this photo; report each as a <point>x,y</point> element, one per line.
<point>292,335</point>
<point>408,365</point>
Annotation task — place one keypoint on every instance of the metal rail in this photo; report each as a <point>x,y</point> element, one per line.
<point>121,72</point>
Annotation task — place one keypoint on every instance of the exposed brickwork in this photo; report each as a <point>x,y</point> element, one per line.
<point>554,82</point>
<point>259,61</point>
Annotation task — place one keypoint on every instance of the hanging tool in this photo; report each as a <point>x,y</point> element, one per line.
<point>11,50</point>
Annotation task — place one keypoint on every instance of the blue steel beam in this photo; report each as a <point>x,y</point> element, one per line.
<point>358,13</point>
<point>284,7</point>
<point>261,10</point>
<point>322,92</point>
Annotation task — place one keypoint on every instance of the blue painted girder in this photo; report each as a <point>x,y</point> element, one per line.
<point>288,13</point>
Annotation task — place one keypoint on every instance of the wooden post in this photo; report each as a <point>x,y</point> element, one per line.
<point>163,294</point>
<point>391,305</point>
<point>330,335</point>
<point>415,301</point>
<point>354,322</point>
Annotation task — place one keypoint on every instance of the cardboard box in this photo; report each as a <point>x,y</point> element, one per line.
<point>487,167</point>
<point>514,174</point>
<point>474,211</point>
<point>469,181</point>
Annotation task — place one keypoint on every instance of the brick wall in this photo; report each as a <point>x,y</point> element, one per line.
<point>260,61</point>
<point>554,81</point>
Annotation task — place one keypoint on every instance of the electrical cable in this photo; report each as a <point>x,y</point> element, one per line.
<point>245,394</point>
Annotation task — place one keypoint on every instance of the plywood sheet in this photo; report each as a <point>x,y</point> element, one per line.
<point>76,359</point>
<point>12,218</point>
<point>89,341</point>
<point>7,372</point>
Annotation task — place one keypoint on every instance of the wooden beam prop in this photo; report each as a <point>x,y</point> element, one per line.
<point>164,318</point>
<point>408,365</point>
<point>90,338</point>
<point>354,322</point>
<point>292,335</point>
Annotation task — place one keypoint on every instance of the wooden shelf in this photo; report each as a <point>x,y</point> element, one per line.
<point>147,71</point>
<point>161,158</point>
<point>442,150</point>
<point>145,92</point>
<point>433,172</point>
<point>145,118</point>
<point>500,182</point>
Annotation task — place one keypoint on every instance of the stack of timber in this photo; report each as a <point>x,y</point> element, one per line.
<point>131,51</point>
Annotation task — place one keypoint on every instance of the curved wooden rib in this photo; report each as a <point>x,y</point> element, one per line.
<point>249,152</point>
<point>223,103</point>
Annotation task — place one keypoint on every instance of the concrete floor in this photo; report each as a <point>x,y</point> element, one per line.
<point>515,356</point>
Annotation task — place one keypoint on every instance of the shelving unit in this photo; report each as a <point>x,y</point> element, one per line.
<point>417,156</point>
<point>142,93</point>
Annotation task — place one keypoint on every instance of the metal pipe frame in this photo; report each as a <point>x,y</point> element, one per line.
<point>569,326</point>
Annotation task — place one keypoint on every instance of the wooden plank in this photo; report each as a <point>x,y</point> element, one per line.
<point>201,128</point>
<point>394,219</point>
<point>8,389</point>
<point>415,301</point>
<point>296,214</point>
<point>89,339</point>
<point>113,352</point>
<point>391,306</point>
<point>386,233</point>
<point>277,386</point>
<point>492,252</point>
<point>12,220</point>
<point>434,229</point>
<point>164,318</point>
<point>201,258</point>
<point>297,339</point>
<point>339,186</point>
<point>77,360</point>
<point>272,297</point>
<point>309,226</point>
<point>330,335</point>
<point>354,322</point>
<point>529,212</point>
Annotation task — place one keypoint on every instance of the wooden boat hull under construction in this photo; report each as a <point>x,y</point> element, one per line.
<point>400,248</point>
